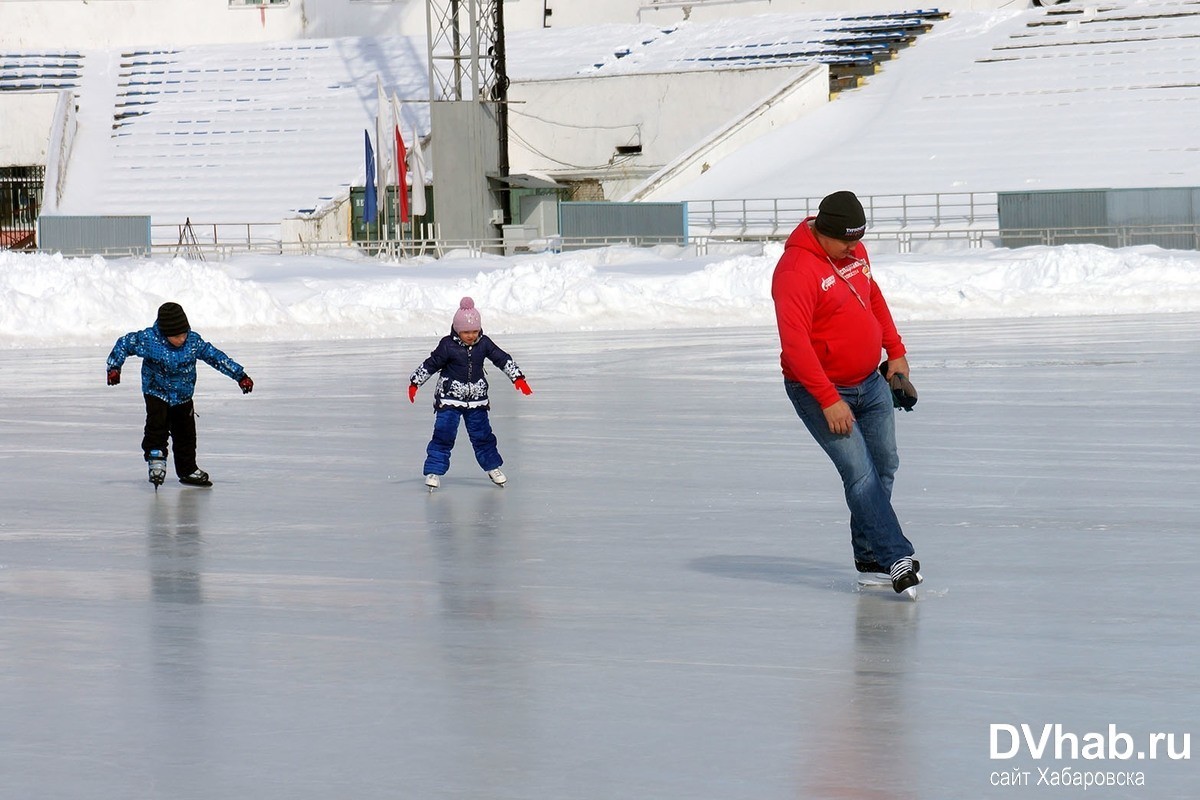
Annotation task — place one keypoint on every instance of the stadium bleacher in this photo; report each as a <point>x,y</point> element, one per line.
<point>40,71</point>
<point>222,116</point>
<point>854,46</point>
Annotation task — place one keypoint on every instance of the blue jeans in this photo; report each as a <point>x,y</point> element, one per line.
<point>445,431</point>
<point>866,459</point>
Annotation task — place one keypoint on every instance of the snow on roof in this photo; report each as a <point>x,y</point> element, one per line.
<point>1067,97</point>
<point>769,39</point>
<point>1062,98</point>
<point>555,53</point>
<point>235,133</point>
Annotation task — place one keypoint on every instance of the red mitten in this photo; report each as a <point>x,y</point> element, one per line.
<point>114,377</point>
<point>412,393</point>
<point>522,386</point>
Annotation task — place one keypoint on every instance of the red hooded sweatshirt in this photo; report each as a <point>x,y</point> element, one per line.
<point>829,336</point>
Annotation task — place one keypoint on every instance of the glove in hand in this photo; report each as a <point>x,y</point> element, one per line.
<point>246,384</point>
<point>114,377</point>
<point>904,394</point>
<point>412,393</point>
<point>522,386</point>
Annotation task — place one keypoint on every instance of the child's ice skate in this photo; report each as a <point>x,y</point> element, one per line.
<point>157,464</point>
<point>433,482</point>
<point>497,477</point>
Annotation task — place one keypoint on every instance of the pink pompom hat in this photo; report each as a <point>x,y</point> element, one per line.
<point>467,316</point>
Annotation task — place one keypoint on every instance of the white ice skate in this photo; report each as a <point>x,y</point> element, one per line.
<point>158,468</point>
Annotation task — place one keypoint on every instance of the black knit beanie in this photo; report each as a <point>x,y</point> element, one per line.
<point>840,216</point>
<point>171,320</point>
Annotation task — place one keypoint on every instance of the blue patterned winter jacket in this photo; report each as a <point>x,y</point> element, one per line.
<point>168,372</point>
<point>463,383</point>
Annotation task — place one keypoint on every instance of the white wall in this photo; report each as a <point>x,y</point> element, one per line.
<point>569,129</point>
<point>332,226</point>
<point>792,101</point>
<point>104,24</point>
<point>25,127</point>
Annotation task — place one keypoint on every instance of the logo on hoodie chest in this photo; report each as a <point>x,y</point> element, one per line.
<point>846,273</point>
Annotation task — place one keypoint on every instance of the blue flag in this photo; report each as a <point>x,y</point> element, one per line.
<point>371,208</point>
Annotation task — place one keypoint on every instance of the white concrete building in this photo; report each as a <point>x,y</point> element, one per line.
<point>255,110</point>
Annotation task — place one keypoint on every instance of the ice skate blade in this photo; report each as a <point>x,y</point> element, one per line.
<point>879,580</point>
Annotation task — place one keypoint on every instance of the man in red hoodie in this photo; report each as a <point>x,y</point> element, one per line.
<point>833,324</point>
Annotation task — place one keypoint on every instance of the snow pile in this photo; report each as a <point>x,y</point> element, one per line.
<point>1042,281</point>
<point>54,301</point>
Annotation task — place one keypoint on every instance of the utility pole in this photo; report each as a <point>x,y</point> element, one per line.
<point>468,93</point>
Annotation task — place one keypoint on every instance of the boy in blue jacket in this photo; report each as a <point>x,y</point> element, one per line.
<point>462,393</point>
<point>169,350</point>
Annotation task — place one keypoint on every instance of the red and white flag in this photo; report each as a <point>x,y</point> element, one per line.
<point>401,161</point>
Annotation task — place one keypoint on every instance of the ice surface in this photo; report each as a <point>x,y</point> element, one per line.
<point>659,605</point>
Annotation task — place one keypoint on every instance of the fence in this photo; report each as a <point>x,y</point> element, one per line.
<point>902,241</point>
<point>906,222</point>
<point>20,203</point>
<point>85,235</point>
<point>777,217</point>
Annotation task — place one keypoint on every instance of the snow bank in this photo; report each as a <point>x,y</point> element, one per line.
<point>49,300</point>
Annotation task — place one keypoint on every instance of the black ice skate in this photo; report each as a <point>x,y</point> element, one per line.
<point>197,478</point>
<point>905,578</point>
<point>872,573</point>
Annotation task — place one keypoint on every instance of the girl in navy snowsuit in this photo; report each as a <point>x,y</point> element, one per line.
<point>169,350</point>
<point>462,393</point>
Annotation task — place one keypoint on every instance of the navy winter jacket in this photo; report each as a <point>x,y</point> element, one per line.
<point>168,372</point>
<point>463,383</point>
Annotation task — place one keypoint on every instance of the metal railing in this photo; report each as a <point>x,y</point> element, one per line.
<point>1170,237</point>
<point>221,248</point>
<point>1182,236</point>
<point>886,212</point>
<point>246,236</point>
<point>908,221</point>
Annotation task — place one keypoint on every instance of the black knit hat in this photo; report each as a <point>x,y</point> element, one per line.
<point>840,216</point>
<point>171,320</point>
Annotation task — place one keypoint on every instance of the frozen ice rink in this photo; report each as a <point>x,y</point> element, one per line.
<point>660,605</point>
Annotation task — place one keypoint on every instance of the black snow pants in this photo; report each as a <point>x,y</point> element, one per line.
<point>177,422</point>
